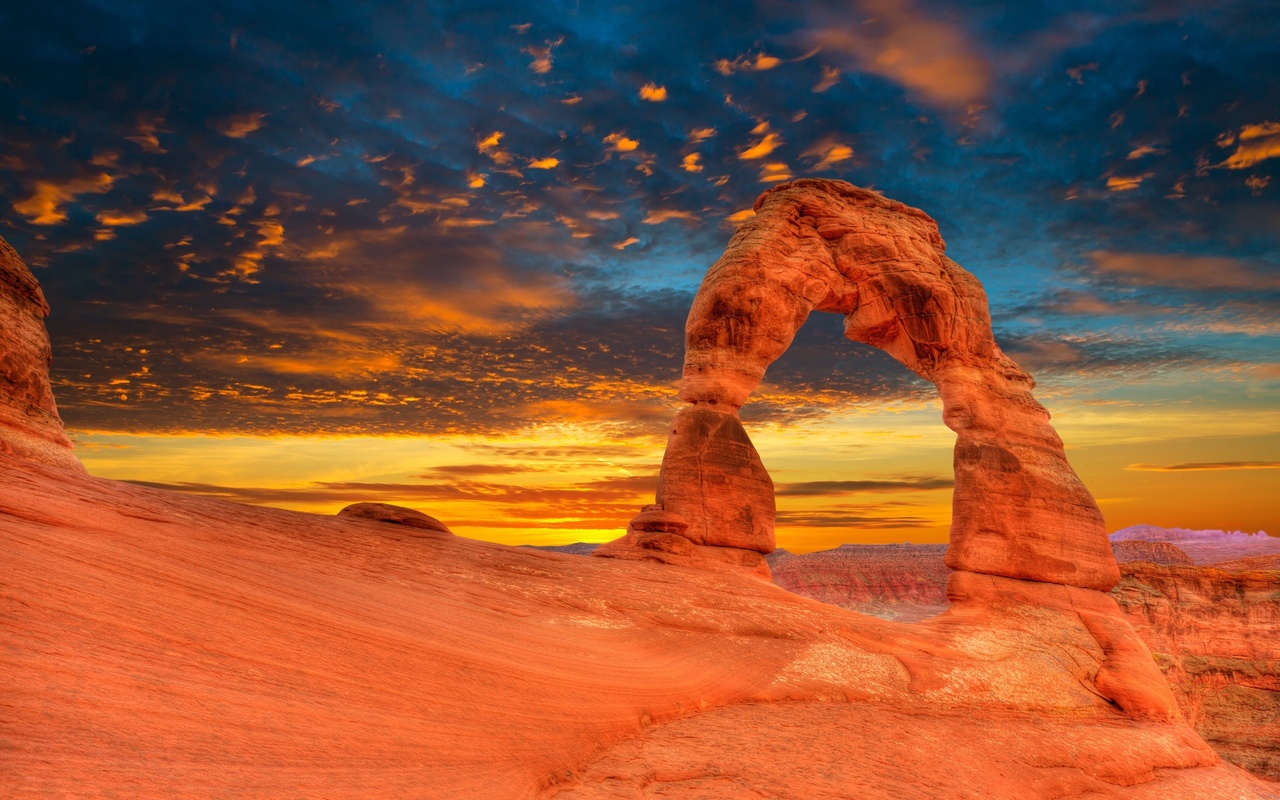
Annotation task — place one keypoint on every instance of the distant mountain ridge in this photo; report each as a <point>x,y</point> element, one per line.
<point>1204,546</point>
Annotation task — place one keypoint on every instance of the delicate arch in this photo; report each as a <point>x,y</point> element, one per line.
<point>1019,510</point>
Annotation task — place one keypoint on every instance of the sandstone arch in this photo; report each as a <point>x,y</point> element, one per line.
<point>1020,511</point>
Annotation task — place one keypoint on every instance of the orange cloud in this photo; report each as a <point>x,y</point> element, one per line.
<point>239,126</point>
<point>829,77</point>
<point>931,58</point>
<point>491,147</point>
<point>1254,143</point>
<point>45,205</point>
<point>762,148</point>
<point>775,172</point>
<point>741,216</point>
<point>701,134</point>
<point>544,163</point>
<point>541,63</point>
<point>659,217</point>
<point>828,153</point>
<point>146,137</point>
<point>690,163</point>
<point>114,219</point>
<point>653,92</point>
<point>757,62</point>
<point>1205,466</point>
<point>1118,183</point>
<point>620,143</point>
<point>1182,271</point>
<point>1144,150</point>
<point>625,243</point>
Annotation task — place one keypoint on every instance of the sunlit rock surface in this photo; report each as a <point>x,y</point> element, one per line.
<point>1214,630</point>
<point>159,645</point>
<point>29,423</point>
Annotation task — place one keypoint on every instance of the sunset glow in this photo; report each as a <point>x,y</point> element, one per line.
<point>443,258</point>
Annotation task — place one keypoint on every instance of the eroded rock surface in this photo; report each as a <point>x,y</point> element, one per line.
<point>1216,636</point>
<point>158,645</point>
<point>903,582</point>
<point>1214,631</point>
<point>29,423</point>
<point>1153,552</point>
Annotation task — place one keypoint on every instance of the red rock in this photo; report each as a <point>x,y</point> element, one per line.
<point>159,645</point>
<point>29,423</point>
<point>1251,564</point>
<point>396,515</point>
<point>712,476</point>
<point>1020,511</point>
<point>1153,552</point>
<point>656,534</point>
<point>902,582</point>
<point>1216,636</point>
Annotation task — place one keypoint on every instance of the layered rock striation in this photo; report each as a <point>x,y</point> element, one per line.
<point>29,423</point>
<point>1216,636</point>
<point>1213,630</point>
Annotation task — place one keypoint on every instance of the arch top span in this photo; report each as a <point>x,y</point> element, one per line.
<point>1019,510</point>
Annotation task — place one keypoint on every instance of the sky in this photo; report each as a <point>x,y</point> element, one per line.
<point>440,254</point>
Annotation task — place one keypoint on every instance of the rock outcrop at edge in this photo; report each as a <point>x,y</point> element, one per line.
<point>30,427</point>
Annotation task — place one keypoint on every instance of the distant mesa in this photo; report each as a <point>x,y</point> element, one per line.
<point>1204,546</point>
<point>395,515</point>
<point>29,423</point>
<point>1128,550</point>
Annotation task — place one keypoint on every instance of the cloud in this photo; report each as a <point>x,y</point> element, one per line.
<point>544,163</point>
<point>46,204</point>
<point>625,243</point>
<point>665,215</point>
<point>836,488</point>
<point>1254,144</point>
<point>1142,151</point>
<point>239,126</point>
<point>933,59</point>
<point>1180,271</point>
<point>539,500</point>
<point>1118,183</point>
<point>114,219</point>
<point>620,143</point>
<point>690,163</point>
<point>829,153</point>
<point>775,172</point>
<point>1205,466</point>
<point>542,56</point>
<point>653,92</point>
<point>762,148</point>
<point>849,519</point>
<point>830,75</point>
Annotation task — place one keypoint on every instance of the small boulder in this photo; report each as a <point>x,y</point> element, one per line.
<point>396,515</point>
